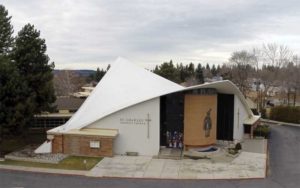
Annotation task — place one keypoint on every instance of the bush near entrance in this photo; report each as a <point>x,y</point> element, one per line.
<point>290,114</point>
<point>262,131</point>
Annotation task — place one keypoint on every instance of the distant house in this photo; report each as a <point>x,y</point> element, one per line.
<point>86,91</point>
<point>65,108</point>
<point>213,79</point>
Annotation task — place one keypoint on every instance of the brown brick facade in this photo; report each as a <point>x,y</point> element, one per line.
<point>57,144</point>
<point>80,145</point>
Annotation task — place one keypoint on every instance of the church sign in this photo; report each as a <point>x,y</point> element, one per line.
<point>138,121</point>
<point>133,121</point>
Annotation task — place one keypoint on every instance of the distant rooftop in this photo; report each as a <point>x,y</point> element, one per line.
<point>68,103</point>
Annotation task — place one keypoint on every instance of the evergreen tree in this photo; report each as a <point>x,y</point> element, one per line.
<point>108,67</point>
<point>99,74</point>
<point>6,31</point>
<point>181,71</point>
<point>156,70</point>
<point>214,70</point>
<point>207,67</point>
<point>168,71</point>
<point>33,65</point>
<point>190,70</point>
<point>199,74</point>
<point>207,71</point>
<point>15,107</point>
<point>218,70</point>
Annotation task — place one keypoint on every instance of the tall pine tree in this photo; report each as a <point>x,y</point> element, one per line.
<point>12,104</point>
<point>15,106</point>
<point>6,31</point>
<point>33,64</point>
<point>199,74</point>
<point>214,70</point>
<point>190,70</point>
<point>99,74</point>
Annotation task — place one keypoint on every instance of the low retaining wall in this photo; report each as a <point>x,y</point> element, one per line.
<point>30,159</point>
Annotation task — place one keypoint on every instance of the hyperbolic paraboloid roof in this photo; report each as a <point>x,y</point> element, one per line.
<point>126,84</point>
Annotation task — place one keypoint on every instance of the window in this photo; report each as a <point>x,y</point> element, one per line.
<point>94,144</point>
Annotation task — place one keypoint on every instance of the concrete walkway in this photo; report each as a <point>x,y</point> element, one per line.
<point>246,165</point>
<point>251,163</point>
<point>255,145</point>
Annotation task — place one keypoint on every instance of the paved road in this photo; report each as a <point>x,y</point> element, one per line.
<point>284,160</point>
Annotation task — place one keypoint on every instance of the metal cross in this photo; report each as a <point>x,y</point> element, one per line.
<point>238,119</point>
<point>148,125</point>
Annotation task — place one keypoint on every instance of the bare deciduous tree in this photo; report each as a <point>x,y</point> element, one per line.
<point>276,55</point>
<point>242,62</point>
<point>67,82</point>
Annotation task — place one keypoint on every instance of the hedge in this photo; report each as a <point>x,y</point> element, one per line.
<point>262,131</point>
<point>288,114</point>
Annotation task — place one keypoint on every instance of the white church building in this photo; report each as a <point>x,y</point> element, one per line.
<point>134,110</point>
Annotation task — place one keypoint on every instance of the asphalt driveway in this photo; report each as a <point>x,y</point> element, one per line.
<point>284,171</point>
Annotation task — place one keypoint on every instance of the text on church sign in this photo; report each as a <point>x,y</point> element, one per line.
<point>133,121</point>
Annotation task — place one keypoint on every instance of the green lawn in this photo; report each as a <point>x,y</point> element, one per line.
<point>69,163</point>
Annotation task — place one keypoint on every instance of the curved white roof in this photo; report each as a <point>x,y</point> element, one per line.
<point>125,85</point>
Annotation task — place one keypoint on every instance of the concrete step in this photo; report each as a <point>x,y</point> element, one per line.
<point>167,157</point>
<point>169,153</point>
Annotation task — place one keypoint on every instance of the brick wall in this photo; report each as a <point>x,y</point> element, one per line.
<point>80,145</point>
<point>57,144</point>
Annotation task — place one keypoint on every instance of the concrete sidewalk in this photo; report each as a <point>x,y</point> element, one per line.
<point>247,165</point>
<point>255,145</point>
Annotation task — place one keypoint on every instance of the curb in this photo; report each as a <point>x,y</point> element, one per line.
<point>267,159</point>
<point>280,122</point>
<point>43,170</point>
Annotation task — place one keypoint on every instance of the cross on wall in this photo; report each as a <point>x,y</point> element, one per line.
<point>148,125</point>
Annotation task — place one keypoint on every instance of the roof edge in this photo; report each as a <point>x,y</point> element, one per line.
<point>232,85</point>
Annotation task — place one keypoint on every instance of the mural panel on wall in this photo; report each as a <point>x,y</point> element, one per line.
<point>200,118</point>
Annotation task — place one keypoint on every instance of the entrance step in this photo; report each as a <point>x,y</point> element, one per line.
<point>169,153</point>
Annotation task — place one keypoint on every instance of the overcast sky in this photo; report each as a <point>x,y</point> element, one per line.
<point>87,34</point>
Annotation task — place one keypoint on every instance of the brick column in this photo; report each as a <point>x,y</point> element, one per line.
<point>57,144</point>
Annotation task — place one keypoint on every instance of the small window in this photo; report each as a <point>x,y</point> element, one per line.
<point>94,144</point>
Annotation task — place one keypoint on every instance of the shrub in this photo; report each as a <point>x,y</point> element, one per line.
<point>289,114</point>
<point>238,146</point>
<point>262,131</point>
<point>232,151</point>
<point>263,113</point>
